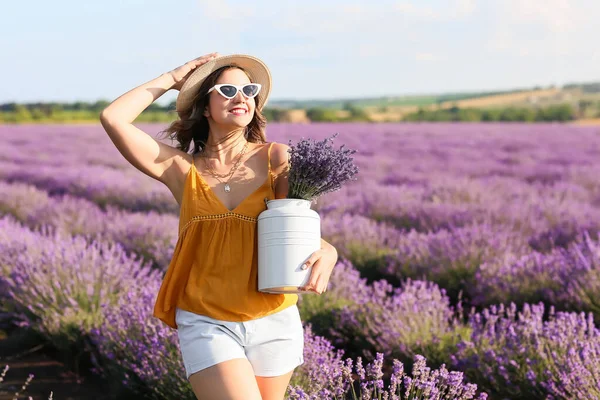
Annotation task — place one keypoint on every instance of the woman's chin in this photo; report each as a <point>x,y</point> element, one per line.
<point>235,123</point>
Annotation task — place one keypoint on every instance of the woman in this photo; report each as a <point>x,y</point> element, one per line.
<point>236,342</point>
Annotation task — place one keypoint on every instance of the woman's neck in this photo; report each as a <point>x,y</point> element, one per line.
<point>224,150</point>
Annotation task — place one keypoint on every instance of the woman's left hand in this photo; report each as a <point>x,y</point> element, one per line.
<point>322,262</point>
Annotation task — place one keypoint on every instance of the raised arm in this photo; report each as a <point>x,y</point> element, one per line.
<point>143,151</point>
<point>147,154</point>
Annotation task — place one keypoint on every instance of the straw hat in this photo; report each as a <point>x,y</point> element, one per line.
<point>258,71</point>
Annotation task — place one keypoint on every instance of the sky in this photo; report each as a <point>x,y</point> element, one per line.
<point>97,50</point>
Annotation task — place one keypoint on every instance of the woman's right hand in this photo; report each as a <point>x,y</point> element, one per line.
<point>181,73</point>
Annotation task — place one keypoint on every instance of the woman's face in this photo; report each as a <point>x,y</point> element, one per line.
<point>220,109</point>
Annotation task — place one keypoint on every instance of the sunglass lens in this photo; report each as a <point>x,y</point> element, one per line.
<point>228,90</point>
<point>251,90</point>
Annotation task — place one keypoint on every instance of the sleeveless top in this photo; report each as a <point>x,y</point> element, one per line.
<point>214,268</point>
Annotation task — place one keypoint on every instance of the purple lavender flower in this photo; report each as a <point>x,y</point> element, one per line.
<point>337,379</point>
<point>57,284</point>
<point>315,168</point>
<point>526,355</point>
<point>148,234</point>
<point>398,322</point>
<point>567,277</point>
<point>323,372</point>
<point>139,350</point>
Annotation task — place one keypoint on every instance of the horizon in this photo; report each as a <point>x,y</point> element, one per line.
<point>271,100</point>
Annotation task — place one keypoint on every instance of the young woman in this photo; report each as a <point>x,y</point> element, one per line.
<point>236,342</point>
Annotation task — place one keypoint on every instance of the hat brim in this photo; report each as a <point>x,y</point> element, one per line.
<point>258,71</point>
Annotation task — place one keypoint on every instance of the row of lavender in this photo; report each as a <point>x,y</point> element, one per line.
<point>70,289</point>
<point>489,263</point>
<point>91,294</point>
<point>453,171</point>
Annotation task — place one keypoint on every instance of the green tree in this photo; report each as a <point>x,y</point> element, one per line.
<point>273,114</point>
<point>22,114</point>
<point>469,115</point>
<point>356,113</point>
<point>509,114</point>
<point>37,114</point>
<point>562,112</point>
<point>584,105</point>
<point>347,105</point>
<point>528,115</point>
<point>321,114</point>
<point>100,105</point>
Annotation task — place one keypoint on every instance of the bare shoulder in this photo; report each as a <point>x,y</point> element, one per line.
<point>279,157</point>
<point>279,168</point>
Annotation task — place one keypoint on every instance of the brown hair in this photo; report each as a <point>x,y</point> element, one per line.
<point>193,125</point>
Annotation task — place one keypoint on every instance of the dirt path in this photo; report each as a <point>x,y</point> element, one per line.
<point>24,355</point>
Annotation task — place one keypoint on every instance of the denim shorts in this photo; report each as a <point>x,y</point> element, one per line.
<point>273,344</point>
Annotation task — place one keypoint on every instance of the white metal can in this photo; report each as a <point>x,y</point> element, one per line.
<point>289,231</point>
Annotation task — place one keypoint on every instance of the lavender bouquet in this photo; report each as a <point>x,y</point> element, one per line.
<point>316,168</point>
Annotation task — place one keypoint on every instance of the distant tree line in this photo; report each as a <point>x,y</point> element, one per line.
<point>82,111</point>
<point>585,87</point>
<point>350,112</point>
<point>562,112</point>
<point>73,112</point>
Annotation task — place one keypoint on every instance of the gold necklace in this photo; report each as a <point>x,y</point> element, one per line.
<point>227,188</point>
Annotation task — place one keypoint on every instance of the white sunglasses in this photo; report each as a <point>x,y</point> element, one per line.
<point>229,91</point>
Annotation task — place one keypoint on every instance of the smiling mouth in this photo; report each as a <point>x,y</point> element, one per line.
<point>239,112</point>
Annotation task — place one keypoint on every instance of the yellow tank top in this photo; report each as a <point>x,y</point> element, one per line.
<point>214,268</point>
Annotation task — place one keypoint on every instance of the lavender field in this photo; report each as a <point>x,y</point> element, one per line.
<point>469,261</point>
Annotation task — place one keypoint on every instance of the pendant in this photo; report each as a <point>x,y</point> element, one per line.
<point>227,188</point>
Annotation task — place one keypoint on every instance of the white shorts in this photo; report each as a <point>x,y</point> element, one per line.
<point>273,344</point>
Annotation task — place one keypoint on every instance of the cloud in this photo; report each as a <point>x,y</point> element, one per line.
<point>296,51</point>
<point>223,10</point>
<point>464,8</point>
<point>358,30</point>
<point>555,15</point>
<point>426,57</point>
<point>317,30</point>
<point>543,27</point>
<point>372,18</point>
<point>421,12</point>
<point>226,20</point>
<point>457,9</point>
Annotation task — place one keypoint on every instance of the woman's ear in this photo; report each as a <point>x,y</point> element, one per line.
<point>206,113</point>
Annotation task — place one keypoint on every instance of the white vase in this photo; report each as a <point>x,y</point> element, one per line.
<point>288,233</point>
